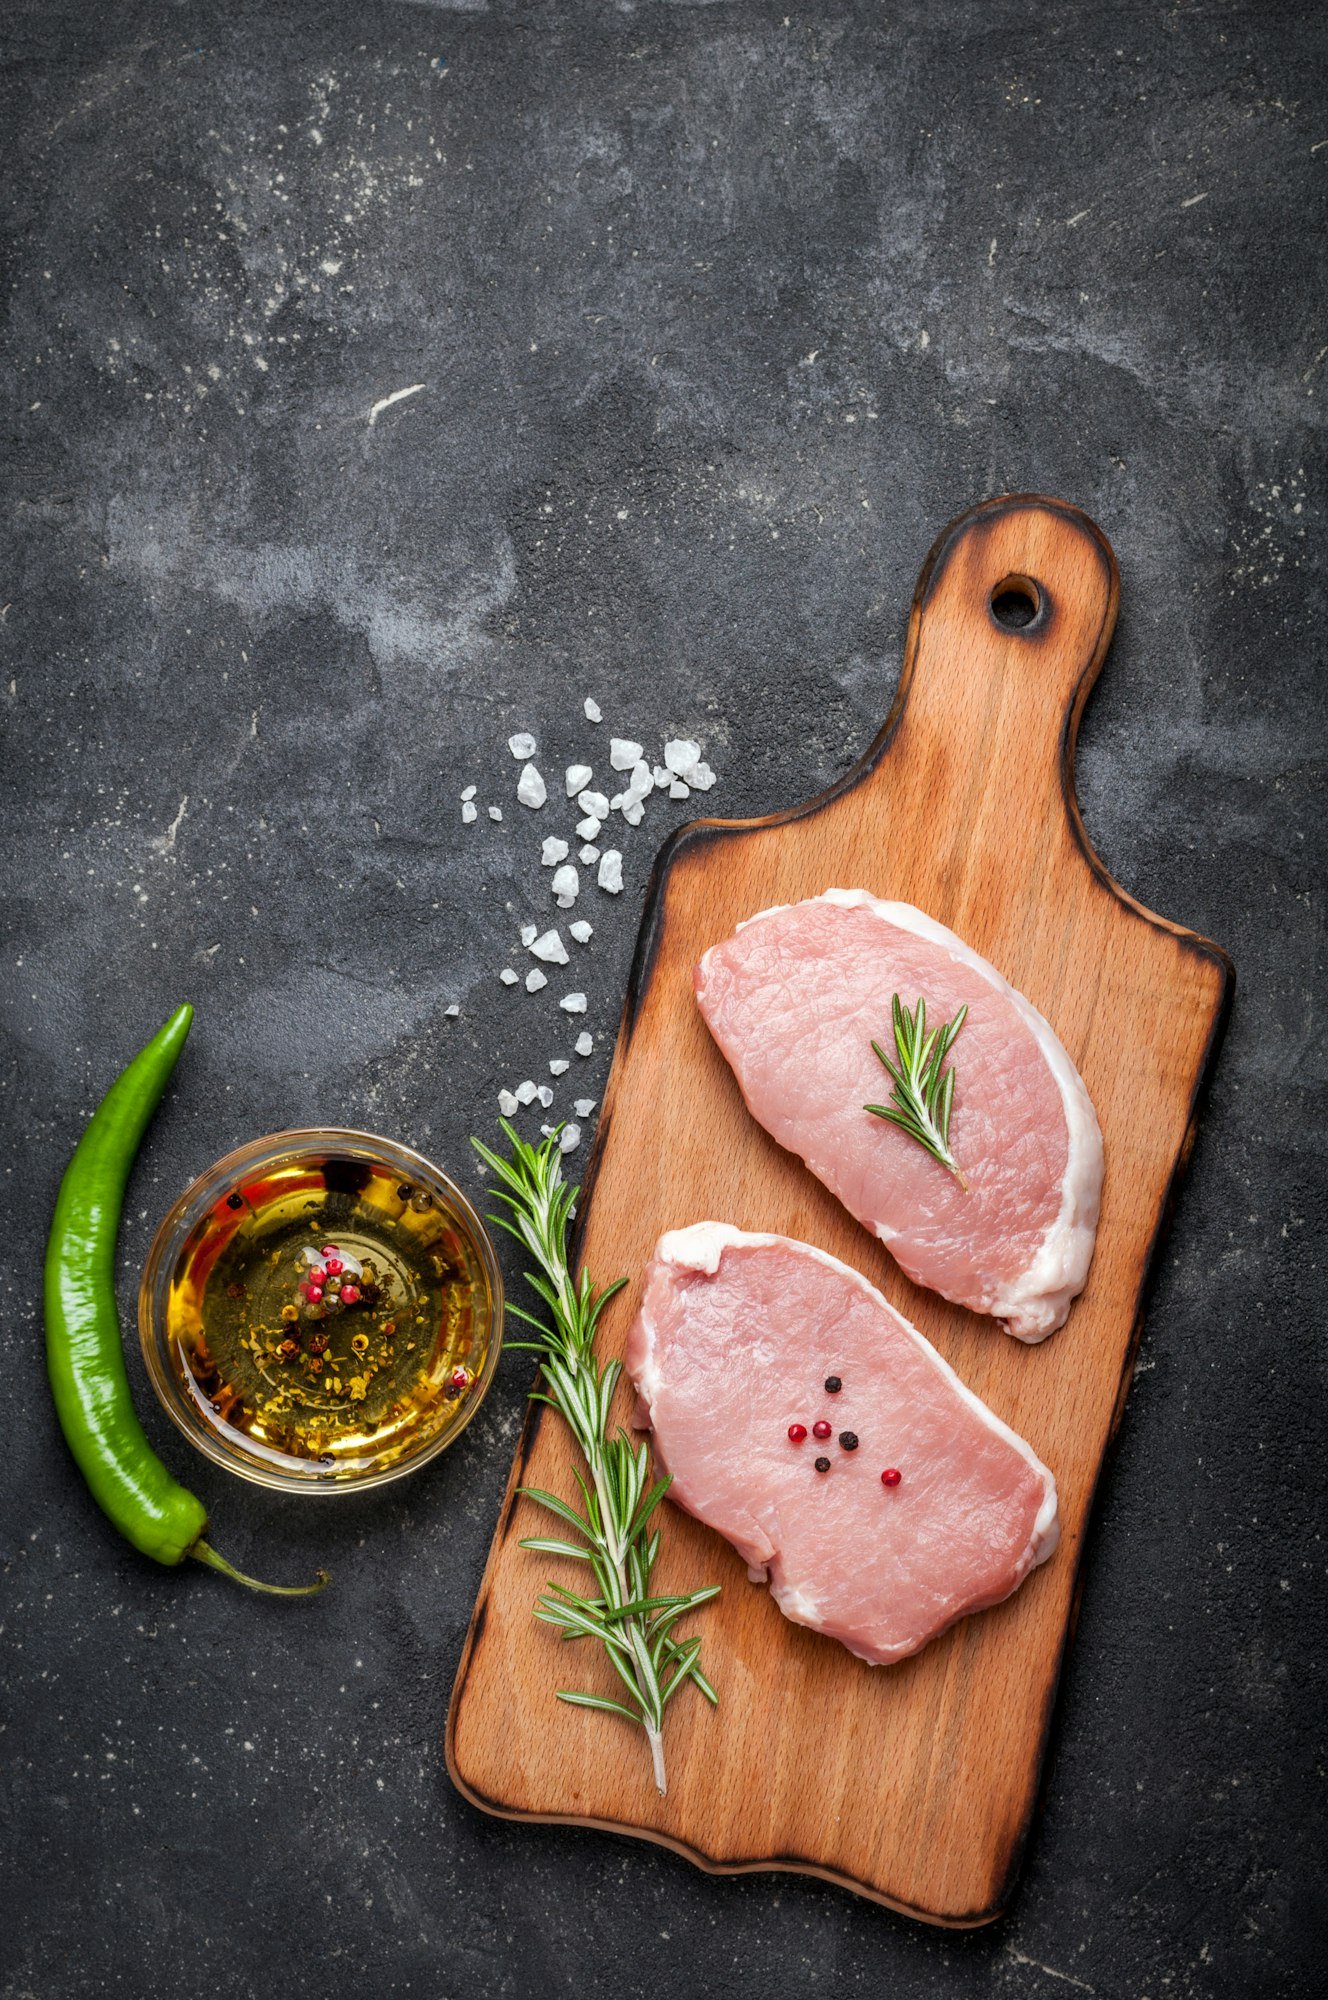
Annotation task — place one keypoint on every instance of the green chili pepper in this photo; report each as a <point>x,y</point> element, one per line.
<point>84,1353</point>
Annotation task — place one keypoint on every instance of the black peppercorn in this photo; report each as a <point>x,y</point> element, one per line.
<point>848,1440</point>
<point>833,1384</point>
<point>822,1465</point>
<point>235,1201</point>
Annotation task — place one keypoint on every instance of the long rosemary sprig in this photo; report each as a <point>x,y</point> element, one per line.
<point>921,1096</point>
<point>636,1628</point>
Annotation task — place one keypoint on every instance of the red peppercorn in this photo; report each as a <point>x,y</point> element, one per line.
<point>313,1293</point>
<point>335,1267</point>
<point>797,1432</point>
<point>890,1477</point>
<point>349,1294</point>
<point>317,1274</point>
<point>458,1380</point>
<point>820,1429</point>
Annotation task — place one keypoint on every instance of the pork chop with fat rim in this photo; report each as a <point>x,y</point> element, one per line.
<point>735,1341</point>
<point>795,999</point>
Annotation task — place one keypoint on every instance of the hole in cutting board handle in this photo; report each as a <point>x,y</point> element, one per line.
<point>1017,603</point>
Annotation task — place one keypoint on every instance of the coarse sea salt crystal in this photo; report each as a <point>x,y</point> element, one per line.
<point>585,1042</point>
<point>582,931</point>
<point>682,755</point>
<point>535,979</point>
<point>495,812</point>
<point>565,886</point>
<point>558,1065</point>
<point>633,811</point>
<point>525,1092</point>
<point>641,781</point>
<point>450,1013</point>
<point>592,709</point>
<point>663,776</point>
<point>623,753</point>
<point>573,1003</point>
<point>531,789</point>
<point>588,828</point>
<point>550,948</point>
<point>508,977</point>
<point>469,813</point>
<point>593,804</point>
<point>522,744</point>
<point>569,1138</point>
<point>700,777</point>
<point>610,871</point>
<point>545,1095</point>
<point>553,851</point>
<point>507,1104</point>
<point>584,1106</point>
<point>677,790</point>
<point>588,854</point>
<point>469,792</point>
<point>529,933</point>
<point>578,777</point>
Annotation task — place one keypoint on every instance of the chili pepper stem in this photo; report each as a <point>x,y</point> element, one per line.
<point>205,1554</point>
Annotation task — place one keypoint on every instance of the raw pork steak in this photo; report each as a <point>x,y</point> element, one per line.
<point>735,1340</point>
<point>795,998</point>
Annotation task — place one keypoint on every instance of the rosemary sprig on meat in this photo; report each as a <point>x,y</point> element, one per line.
<point>923,1091</point>
<point>636,1629</point>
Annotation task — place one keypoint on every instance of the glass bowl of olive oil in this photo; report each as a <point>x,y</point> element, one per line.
<point>321,1311</point>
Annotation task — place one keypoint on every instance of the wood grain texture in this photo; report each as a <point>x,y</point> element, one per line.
<point>913,1784</point>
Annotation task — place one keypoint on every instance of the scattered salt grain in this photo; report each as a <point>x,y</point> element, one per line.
<point>633,811</point>
<point>623,753</point>
<point>558,1065</point>
<point>573,1003</point>
<point>531,788</point>
<point>592,710</point>
<point>553,851</point>
<point>589,854</point>
<point>677,790</point>
<point>529,933</point>
<point>469,792</point>
<point>495,812</point>
<point>545,1095</point>
<point>569,1138</point>
<point>578,777</point>
<point>610,871</point>
<point>469,813</point>
<point>525,1092</point>
<point>663,776</point>
<point>682,755</point>
<point>507,1104</point>
<point>584,1106</point>
<point>641,783</point>
<point>588,828</point>
<point>565,885</point>
<point>521,745</point>
<point>700,777</point>
<point>582,931</point>
<point>508,977</point>
<point>535,979</point>
<point>593,804</point>
<point>550,948</point>
<point>450,1013</point>
<point>585,1042</point>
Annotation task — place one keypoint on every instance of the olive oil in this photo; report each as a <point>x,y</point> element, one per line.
<point>329,1317</point>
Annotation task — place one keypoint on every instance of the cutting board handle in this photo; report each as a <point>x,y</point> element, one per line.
<point>1011,621</point>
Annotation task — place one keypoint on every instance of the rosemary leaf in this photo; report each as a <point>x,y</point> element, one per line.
<point>922,1091</point>
<point>633,1625</point>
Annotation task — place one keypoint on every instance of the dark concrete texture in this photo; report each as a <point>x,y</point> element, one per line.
<point>720,313</point>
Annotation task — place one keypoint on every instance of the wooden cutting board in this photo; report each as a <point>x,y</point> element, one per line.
<point>913,1784</point>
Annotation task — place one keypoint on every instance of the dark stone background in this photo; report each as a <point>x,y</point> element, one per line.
<point>720,315</point>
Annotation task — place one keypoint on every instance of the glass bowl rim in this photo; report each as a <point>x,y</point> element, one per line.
<point>187,1210</point>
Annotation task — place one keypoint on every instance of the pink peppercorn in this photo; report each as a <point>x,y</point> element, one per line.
<point>349,1294</point>
<point>797,1432</point>
<point>890,1477</point>
<point>820,1429</point>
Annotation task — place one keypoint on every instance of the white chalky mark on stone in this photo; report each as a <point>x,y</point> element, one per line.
<point>550,948</point>
<point>525,1092</point>
<point>585,1042</point>
<point>507,1104</point>
<point>592,710</point>
<point>578,777</point>
<point>623,753</point>
<point>565,885</point>
<point>386,402</point>
<point>468,813</point>
<point>508,977</point>
<point>610,871</point>
<point>593,804</point>
<point>573,1003</point>
<point>584,1106</point>
<point>531,788</point>
<point>582,931</point>
<point>553,851</point>
<point>521,745</point>
<point>535,979</point>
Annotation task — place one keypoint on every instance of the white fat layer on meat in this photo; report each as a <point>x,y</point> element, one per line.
<point>1036,1302</point>
<point>701,1246</point>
